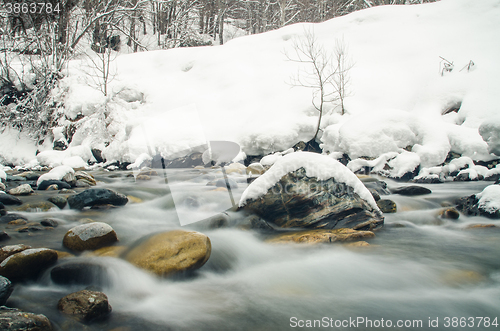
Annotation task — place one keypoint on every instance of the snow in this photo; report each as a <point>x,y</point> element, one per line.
<point>489,198</point>
<point>173,101</point>
<point>73,156</point>
<point>316,165</point>
<point>55,174</point>
<point>3,176</point>
<point>490,131</point>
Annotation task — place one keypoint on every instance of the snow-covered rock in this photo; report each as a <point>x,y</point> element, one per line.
<point>485,203</point>
<point>55,174</point>
<point>490,131</point>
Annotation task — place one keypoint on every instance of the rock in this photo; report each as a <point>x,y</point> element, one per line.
<point>13,178</point>
<point>11,217</point>
<point>36,206</point>
<point>431,179</point>
<point>357,244</point>
<point>449,213</point>
<point>2,206</point>
<point>256,223</point>
<point>387,206</point>
<point>255,169</point>
<point>222,183</point>
<point>4,236</point>
<point>59,201</point>
<point>79,273</point>
<point>305,202</point>
<point>189,161</point>
<point>6,289</point>
<point>82,175</point>
<point>7,251</point>
<point>411,190</point>
<point>310,146</point>
<point>8,199</point>
<point>60,145</point>
<point>89,236</point>
<point>462,277</point>
<point>85,305</point>
<point>66,191</point>
<point>111,251</point>
<point>69,178</point>
<point>375,194</point>
<point>12,319</point>
<point>97,155</point>
<point>236,168</point>
<point>2,187</point>
<point>96,196</point>
<point>376,185</point>
<point>171,252</point>
<point>46,183</point>
<point>31,227</point>
<point>470,206</point>
<point>142,177</point>
<point>52,187</point>
<point>30,175</point>
<point>321,236</point>
<point>27,264</point>
<point>49,222</point>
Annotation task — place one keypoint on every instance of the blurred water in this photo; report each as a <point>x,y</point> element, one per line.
<point>419,266</point>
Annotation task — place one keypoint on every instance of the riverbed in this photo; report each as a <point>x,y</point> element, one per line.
<point>420,269</point>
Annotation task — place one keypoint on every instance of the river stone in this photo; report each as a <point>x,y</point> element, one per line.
<point>7,251</point>
<point>24,189</point>
<point>222,183</point>
<point>12,319</point>
<point>27,264</point>
<point>82,175</point>
<point>49,222</point>
<point>387,206</point>
<point>8,199</point>
<point>85,305</point>
<point>2,187</point>
<point>321,236</point>
<point>69,178</point>
<point>36,206</point>
<point>11,217</point>
<point>6,289</point>
<point>78,273</point>
<point>373,184</point>
<point>96,196</point>
<point>4,236</point>
<point>449,213</point>
<point>255,169</point>
<point>171,252</point>
<point>330,205</point>
<point>46,183</point>
<point>411,190</point>
<point>89,236</point>
<point>470,206</point>
<point>59,201</point>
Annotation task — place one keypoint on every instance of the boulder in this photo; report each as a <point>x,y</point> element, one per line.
<point>411,190</point>
<point>297,200</point>
<point>89,236</point>
<point>36,206</point>
<point>49,222</point>
<point>171,252</point>
<point>8,199</point>
<point>321,236</point>
<point>449,213</point>
<point>11,217</point>
<point>7,251</point>
<point>189,161</point>
<point>83,176</point>
<point>59,201</point>
<point>85,305</point>
<point>387,206</point>
<point>27,264</point>
<point>12,319</point>
<point>96,196</point>
<point>24,189</point>
<point>46,183</point>
<point>6,289</point>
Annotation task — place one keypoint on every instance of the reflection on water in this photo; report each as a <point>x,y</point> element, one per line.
<point>419,266</point>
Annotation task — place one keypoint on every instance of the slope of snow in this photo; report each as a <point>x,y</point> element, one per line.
<point>241,91</point>
<point>316,165</point>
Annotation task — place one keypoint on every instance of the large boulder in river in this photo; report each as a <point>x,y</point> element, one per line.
<point>89,236</point>
<point>12,319</point>
<point>85,305</point>
<point>27,264</point>
<point>486,203</point>
<point>96,196</point>
<point>171,252</point>
<point>309,190</point>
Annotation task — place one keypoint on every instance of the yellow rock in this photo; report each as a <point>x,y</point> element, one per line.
<point>321,236</point>
<point>357,244</point>
<point>462,277</point>
<point>111,251</point>
<point>171,252</point>
<point>481,226</point>
<point>63,255</point>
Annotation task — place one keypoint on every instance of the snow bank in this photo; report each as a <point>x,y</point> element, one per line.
<point>490,131</point>
<point>55,174</point>
<point>316,165</point>
<point>489,198</point>
<point>77,157</point>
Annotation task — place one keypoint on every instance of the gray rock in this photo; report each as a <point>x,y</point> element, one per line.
<point>11,217</point>
<point>330,205</point>
<point>4,236</point>
<point>46,183</point>
<point>387,206</point>
<point>69,178</point>
<point>470,206</point>
<point>96,196</point>
<point>12,319</point>
<point>59,201</point>
<point>411,190</point>
<point>6,289</point>
<point>8,199</point>
<point>82,175</point>
<point>85,305</point>
<point>49,222</point>
<point>2,187</point>
<point>79,273</point>
<point>222,183</point>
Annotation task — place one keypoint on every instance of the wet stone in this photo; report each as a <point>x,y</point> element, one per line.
<point>59,201</point>
<point>8,199</point>
<point>7,251</point>
<point>85,305</point>
<point>89,236</point>
<point>46,183</point>
<point>411,190</point>
<point>387,206</point>
<point>49,222</point>
<point>6,289</point>
<point>28,263</point>
<point>12,319</point>
<point>100,196</point>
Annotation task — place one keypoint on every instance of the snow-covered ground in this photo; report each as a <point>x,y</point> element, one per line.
<point>175,100</point>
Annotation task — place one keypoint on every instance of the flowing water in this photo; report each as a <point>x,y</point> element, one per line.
<point>419,267</point>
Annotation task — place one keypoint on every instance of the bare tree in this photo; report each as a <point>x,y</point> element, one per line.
<point>326,73</point>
